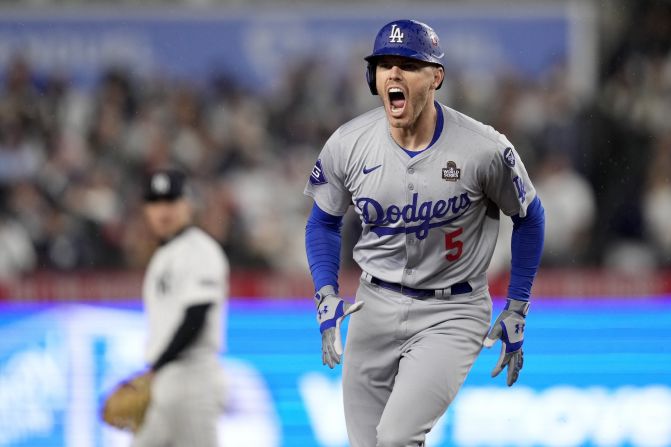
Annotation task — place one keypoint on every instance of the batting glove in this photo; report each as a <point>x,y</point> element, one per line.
<point>509,327</point>
<point>331,310</point>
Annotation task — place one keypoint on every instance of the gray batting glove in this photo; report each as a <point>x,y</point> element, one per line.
<point>331,310</point>
<point>509,328</point>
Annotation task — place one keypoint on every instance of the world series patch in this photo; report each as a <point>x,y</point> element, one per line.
<point>451,173</point>
<point>317,176</point>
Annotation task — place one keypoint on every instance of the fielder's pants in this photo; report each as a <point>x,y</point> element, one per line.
<point>185,406</point>
<point>405,359</point>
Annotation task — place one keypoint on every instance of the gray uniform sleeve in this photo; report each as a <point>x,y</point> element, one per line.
<point>326,184</point>
<point>506,181</point>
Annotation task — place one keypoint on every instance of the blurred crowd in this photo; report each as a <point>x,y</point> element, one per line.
<point>71,160</point>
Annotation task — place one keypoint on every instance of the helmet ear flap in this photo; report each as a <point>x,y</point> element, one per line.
<point>370,78</point>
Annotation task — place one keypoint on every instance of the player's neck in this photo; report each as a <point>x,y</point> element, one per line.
<point>417,135</point>
<point>173,234</point>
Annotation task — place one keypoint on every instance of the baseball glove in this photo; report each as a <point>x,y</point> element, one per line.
<point>125,406</point>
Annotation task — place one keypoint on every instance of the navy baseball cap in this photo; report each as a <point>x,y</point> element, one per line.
<point>164,184</point>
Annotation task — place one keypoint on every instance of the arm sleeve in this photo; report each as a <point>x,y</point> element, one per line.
<point>322,245</point>
<point>507,182</point>
<point>204,273</point>
<point>187,332</point>
<point>527,247</point>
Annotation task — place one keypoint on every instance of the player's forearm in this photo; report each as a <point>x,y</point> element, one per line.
<point>191,326</point>
<point>322,245</point>
<point>527,247</point>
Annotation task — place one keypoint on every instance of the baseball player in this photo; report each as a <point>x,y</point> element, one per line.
<point>428,184</point>
<point>184,289</point>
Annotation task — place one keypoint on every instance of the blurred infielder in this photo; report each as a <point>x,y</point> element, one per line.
<point>427,183</point>
<point>184,288</point>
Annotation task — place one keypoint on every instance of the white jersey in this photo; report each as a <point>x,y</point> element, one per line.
<point>189,269</point>
<point>431,220</point>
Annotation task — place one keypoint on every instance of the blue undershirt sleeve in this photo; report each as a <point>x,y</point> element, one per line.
<point>322,245</point>
<point>526,247</point>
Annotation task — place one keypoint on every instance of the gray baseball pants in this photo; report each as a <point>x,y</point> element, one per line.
<point>405,360</point>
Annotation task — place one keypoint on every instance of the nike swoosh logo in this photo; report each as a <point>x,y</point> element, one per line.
<point>368,171</point>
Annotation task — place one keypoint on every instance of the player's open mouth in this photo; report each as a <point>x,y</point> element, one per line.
<point>396,99</point>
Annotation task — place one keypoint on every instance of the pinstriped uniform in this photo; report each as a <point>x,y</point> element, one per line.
<point>187,392</point>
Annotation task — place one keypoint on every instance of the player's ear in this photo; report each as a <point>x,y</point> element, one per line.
<point>438,77</point>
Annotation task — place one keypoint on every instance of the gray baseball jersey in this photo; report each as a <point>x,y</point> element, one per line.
<point>187,393</point>
<point>428,222</point>
<point>423,218</point>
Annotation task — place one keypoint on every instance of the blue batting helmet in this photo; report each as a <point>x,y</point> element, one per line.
<point>407,38</point>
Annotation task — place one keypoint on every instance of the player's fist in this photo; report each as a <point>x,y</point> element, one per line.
<point>509,328</point>
<point>331,310</point>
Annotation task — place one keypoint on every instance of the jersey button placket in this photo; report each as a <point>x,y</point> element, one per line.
<point>402,331</point>
<point>410,239</point>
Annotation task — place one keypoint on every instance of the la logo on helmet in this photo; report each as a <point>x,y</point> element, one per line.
<point>396,36</point>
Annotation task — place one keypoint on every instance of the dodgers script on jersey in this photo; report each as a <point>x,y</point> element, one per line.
<point>190,269</point>
<point>428,221</point>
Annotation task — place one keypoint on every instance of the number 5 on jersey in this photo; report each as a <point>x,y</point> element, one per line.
<point>453,246</point>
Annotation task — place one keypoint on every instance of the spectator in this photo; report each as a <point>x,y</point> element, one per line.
<point>657,201</point>
<point>17,255</point>
<point>570,209</point>
<point>70,158</point>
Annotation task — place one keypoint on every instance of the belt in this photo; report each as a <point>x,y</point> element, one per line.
<point>454,289</point>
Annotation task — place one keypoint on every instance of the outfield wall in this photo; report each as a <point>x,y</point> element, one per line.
<point>597,372</point>
<point>100,286</point>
